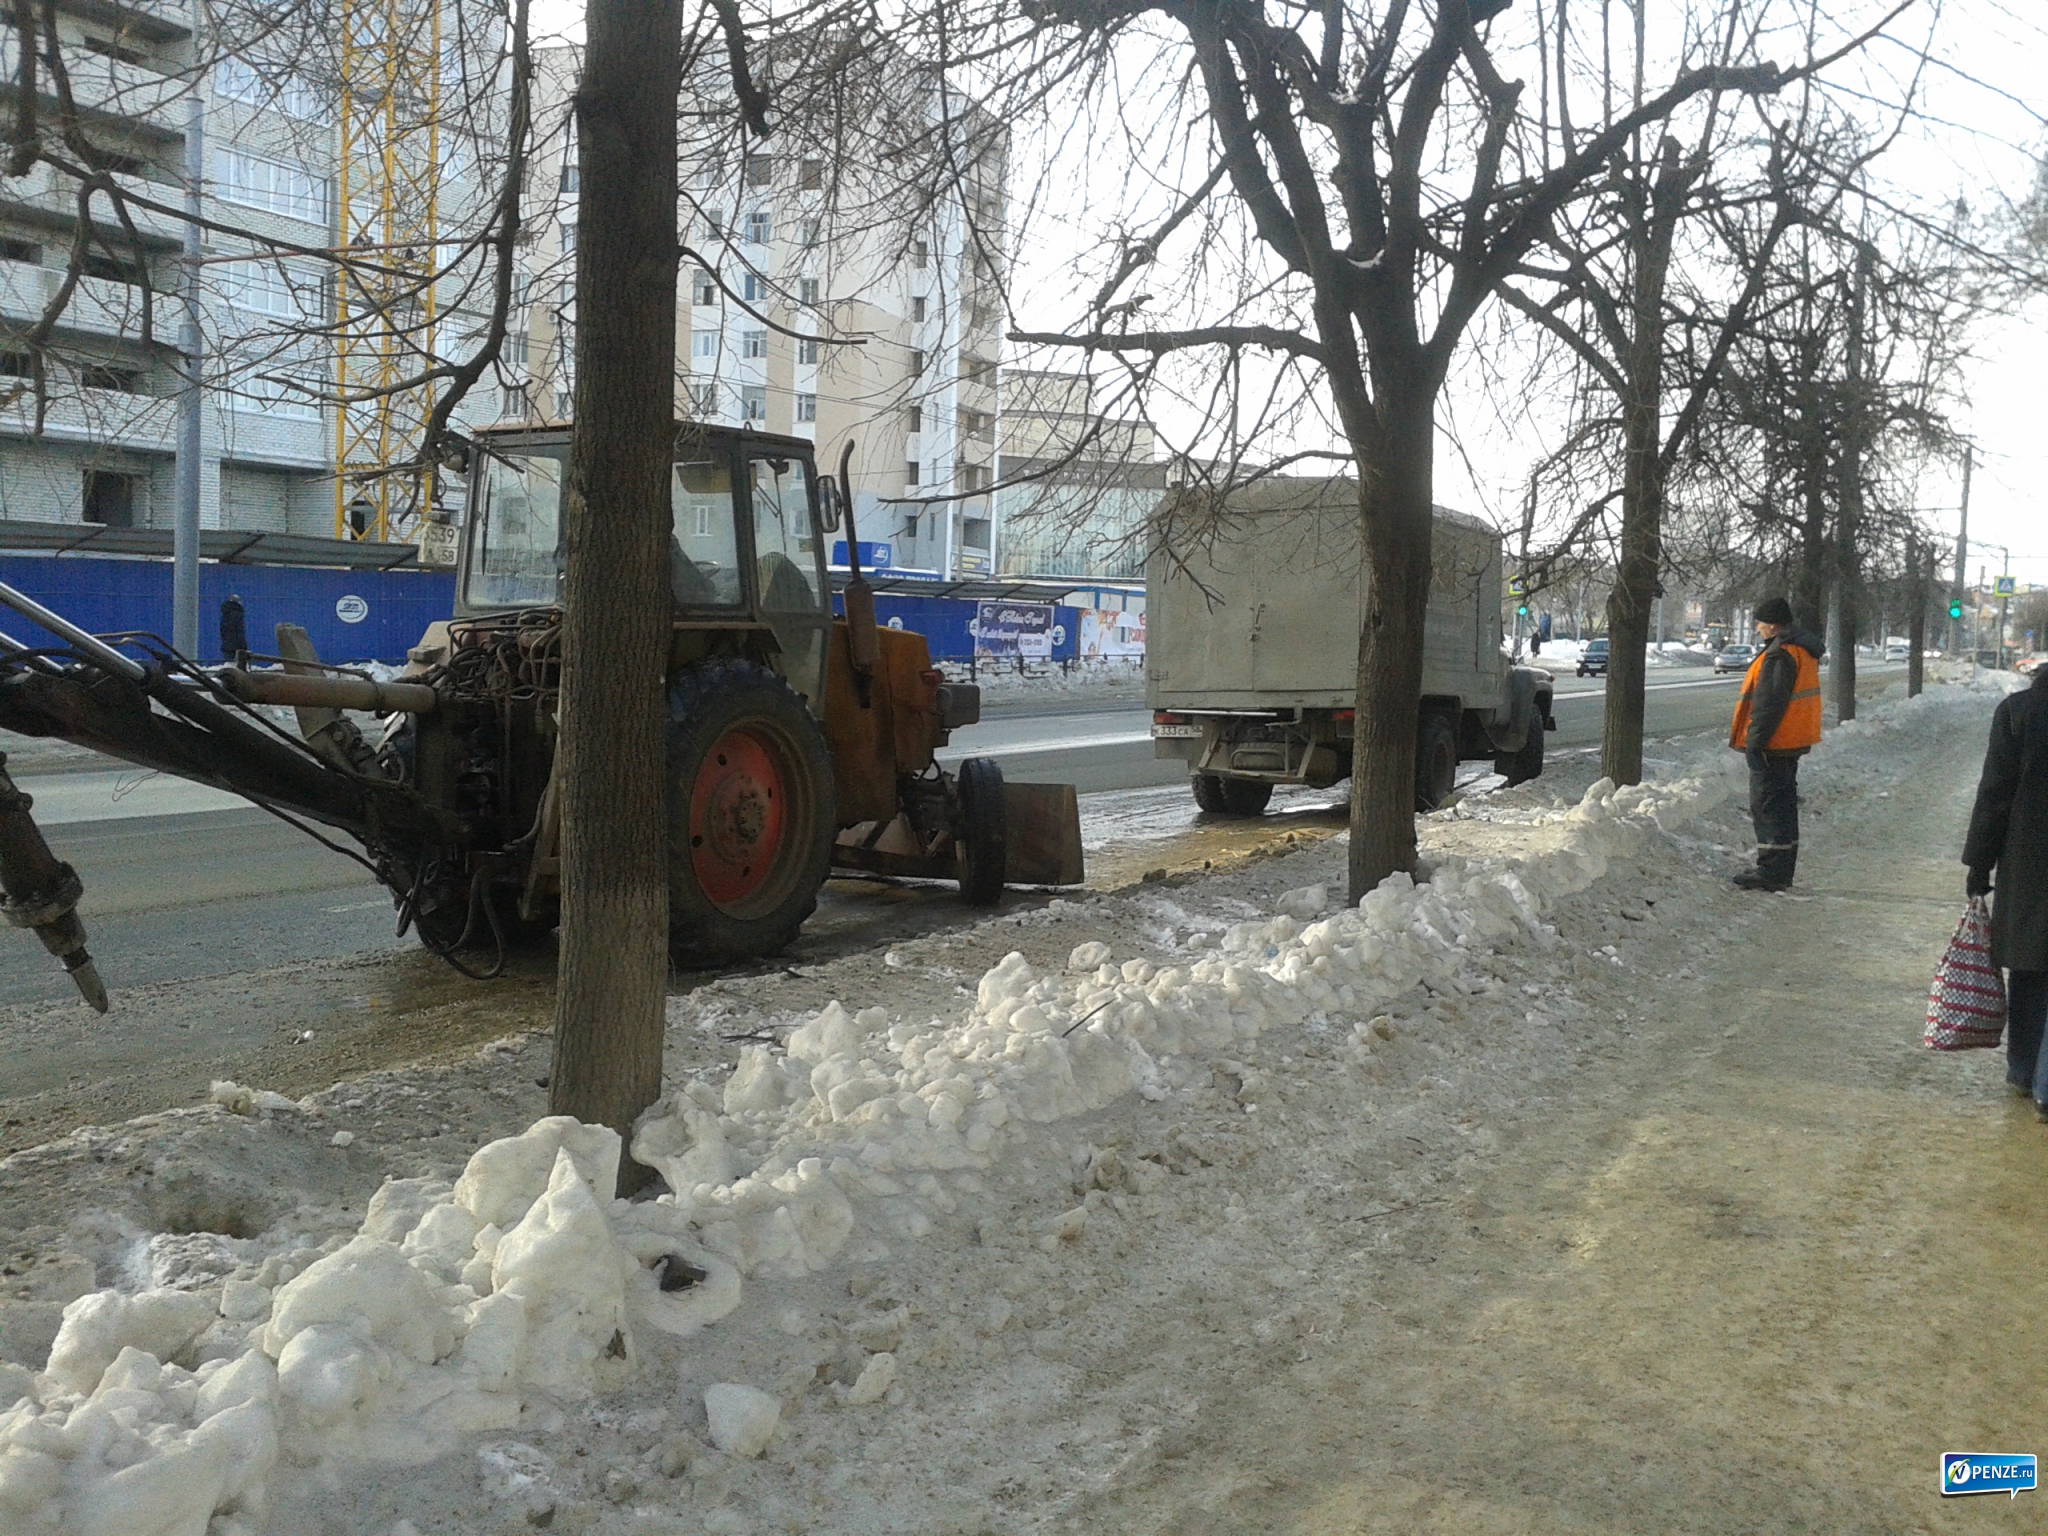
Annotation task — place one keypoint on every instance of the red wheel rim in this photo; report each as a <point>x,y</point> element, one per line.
<point>737,810</point>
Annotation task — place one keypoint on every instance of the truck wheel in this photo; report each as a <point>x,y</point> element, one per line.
<point>1521,766</point>
<point>1436,762</point>
<point>979,837</point>
<point>1231,797</point>
<point>750,806</point>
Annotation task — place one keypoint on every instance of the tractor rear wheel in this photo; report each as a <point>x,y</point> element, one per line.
<point>750,812</point>
<point>979,837</point>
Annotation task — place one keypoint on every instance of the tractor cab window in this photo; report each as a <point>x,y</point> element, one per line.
<point>785,547</point>
<point>703,548</point>
<point>788,569</point>
<point>515,546</point>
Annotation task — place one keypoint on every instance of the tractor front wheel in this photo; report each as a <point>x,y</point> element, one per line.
<point>979,836</point>
<point>749,812</point>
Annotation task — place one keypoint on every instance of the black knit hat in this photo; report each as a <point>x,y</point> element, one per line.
<point>1774,610</point>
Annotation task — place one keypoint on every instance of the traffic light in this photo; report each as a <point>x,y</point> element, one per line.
<point>1522,612</point>
<point>1955,607</point>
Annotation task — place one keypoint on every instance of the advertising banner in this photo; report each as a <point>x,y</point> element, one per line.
<point>1014,629</point>
<point>1112,632</point>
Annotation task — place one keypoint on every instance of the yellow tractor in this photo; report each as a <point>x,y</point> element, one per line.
<point>798,741</point>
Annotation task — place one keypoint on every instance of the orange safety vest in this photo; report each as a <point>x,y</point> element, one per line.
<point>1801,725</point>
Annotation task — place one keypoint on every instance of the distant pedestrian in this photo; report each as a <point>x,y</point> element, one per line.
<point>1777,722</point>
<point>2009,840</point>
<point>234,629</point>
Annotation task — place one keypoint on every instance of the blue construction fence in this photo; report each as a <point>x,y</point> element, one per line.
<point>352,616</point>
<point>945,623</point>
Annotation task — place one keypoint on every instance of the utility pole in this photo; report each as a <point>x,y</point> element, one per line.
<point>191,399</point>
<point>1976,622</point>
<point>1849,517</point>
<point>1916,625</point>
<point>1962,542</point>
<point>2003,599</point>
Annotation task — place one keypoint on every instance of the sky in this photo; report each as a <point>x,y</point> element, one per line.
<point>1986,109</point>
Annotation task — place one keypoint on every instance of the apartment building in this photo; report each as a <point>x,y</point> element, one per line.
<point>104,448</point>
<point>1077,485</point>
<point>807,307</point>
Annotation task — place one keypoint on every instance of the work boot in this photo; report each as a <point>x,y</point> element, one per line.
<point>1757,880</point>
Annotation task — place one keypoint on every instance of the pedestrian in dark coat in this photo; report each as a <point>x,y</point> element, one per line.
<point>2008,847</point>
<point>234,628</point>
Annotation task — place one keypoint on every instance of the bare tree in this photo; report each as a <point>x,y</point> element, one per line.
<point>1394,177</point>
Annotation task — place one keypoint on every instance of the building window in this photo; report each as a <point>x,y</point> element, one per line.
<point>807,349</point>
<point>974,532</point>
<point>297,399</point>
<point>237,80</point>
<point>110,269</point>
<point>813,233</point>
<point>754,287</point>
<point>12,249</point>
<point>920,254</point>
<point>275,187</point>
<point>753,403</point>
<point>917,360</point>
<point>910,524</point>
<point>703,399</point>
<point>760,170</point>
<point>703,290</point>
<point>565,233</point>
<point>917,307</point>
<point>126,381</point>
<point>17,365</point>
<point>916,421</point>
<point>760,227</point>
<point>811,175</point>
<point>754,343</point>
<point>806,407</point>
<point>703,344</point>
<point>109,499</point>
<point>714,223</point>
<point>512,403</point>
<point>910,472</point>
<point>260,288</point>
<point>572,178</point>
<point>809,290</point>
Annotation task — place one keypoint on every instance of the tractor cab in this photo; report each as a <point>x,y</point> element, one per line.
<point>746,549</point>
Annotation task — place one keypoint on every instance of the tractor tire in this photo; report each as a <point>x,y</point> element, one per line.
<point>1521,766</point>
<point>979,837</point>
<point>1436,762</point>
<point>1231,797</point>
<point>750,813</point>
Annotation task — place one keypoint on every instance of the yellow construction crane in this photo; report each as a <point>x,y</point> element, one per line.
<point>390,164</point>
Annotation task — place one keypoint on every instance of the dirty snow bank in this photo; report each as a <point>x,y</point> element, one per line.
<point>929,1203</point>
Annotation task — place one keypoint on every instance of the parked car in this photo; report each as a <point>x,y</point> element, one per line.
<point>1898,653</point>
<point>1734,658</point>
<point>1593,659</point>
<point>2026,665</point>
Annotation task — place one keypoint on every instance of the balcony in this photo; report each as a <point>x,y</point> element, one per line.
<point>144,100</point>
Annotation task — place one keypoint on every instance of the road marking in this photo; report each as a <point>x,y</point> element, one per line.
<point>1054,744</point>
<point>357,906</point>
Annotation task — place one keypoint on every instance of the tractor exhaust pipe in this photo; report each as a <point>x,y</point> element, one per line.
<point>42,890</point>
<point>305,691</point>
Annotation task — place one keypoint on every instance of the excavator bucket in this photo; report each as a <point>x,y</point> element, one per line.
<point>1041,834</point>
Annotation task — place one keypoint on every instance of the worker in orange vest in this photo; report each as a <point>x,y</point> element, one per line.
<point>1777,722</point>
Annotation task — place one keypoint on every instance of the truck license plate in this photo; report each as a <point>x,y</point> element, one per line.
<point>1177,730</point>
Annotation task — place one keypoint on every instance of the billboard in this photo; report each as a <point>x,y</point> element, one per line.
<point>1111,632</point>
<point>1014,629</point>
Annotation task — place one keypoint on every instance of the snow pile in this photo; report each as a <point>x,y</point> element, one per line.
<point>451,1311</point>
<point>852,1125</point>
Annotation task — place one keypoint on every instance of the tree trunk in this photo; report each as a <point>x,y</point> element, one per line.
<point>1396,483</point>
<point>612,986</point>
<point>1849,518</point>
<point>1916,631</point>
<point>1809,583</point>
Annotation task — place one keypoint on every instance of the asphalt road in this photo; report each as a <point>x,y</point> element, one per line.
<point>182,881</point>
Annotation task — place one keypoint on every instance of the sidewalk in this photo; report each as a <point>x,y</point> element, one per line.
<point>1764,1267</point>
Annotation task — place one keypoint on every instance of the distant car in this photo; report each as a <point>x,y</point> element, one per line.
<point>2026,665</point>
<point>1898,653</point>
<point>1593,659</point>
<point>1734,658</point>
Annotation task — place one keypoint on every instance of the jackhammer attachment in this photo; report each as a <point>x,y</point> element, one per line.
<point>42,890</point>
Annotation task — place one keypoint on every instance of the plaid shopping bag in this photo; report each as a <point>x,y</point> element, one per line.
<point>1966,1009</point>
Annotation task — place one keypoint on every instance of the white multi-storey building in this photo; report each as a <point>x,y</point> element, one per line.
<point>104,449</point>
<point>812,319</point>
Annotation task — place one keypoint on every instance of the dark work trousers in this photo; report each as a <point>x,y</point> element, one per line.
<point>2026,1010</point>
<point>1774,807</point>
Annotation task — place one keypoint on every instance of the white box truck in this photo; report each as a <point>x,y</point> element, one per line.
<point>1252,618</point>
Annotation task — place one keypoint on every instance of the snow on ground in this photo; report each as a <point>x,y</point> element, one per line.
<point>911,1200</point>
<point>1112,678</point>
